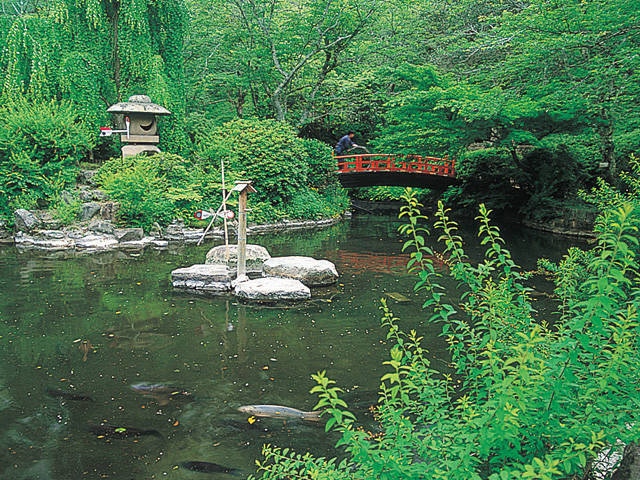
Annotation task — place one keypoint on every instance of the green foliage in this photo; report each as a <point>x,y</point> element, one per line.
<point>550,178</point>
<point>378,193</point>
<point>157,189</point>
<point>525,400</point>
<point>66,208</point>
<point>320,161</point>
<point>96,52</point>
<point>271,59</point>
<point>310,204</point>
<point>490,174</point>
<point>41,145</point>
<point>293,177</point>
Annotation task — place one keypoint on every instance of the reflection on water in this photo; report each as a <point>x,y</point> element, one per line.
<point>83,336</point>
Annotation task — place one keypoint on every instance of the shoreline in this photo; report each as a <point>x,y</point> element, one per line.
<point>103,237</point>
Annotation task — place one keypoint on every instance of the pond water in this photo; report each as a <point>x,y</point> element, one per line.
<point>93,325</point>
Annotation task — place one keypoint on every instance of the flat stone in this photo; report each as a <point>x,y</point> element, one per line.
<point>311,272</point>
<point>228,255</point>
<point>176,231</point>
<point>44,240</point>
<point>210,278</point>
<point>102,226</point>
<point>159,243</point>
<point>273,289</point>
<point>96,242</point>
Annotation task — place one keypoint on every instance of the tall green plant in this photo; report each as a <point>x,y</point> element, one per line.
<point>157,189</point>
<point>94,53</point>
<point>525,400</point>
<point>41,145</point>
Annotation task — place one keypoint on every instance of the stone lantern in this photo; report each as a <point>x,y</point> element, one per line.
<point>137,124</point>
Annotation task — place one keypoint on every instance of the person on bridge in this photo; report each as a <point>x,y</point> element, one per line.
<point>345,144</point>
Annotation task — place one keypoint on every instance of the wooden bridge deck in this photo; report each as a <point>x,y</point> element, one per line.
<point>362,170</point>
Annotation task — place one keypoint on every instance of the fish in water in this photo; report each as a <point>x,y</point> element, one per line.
<point>278,411</point>
<point>398,297</point>
<point>115,431</point>
<point>161,392</point>
<point>85,347</point>
<point>66,395</point>
<point>208,467</point>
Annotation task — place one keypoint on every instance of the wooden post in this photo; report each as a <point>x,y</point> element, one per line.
<point>242,235</point>
<point>243,188</point>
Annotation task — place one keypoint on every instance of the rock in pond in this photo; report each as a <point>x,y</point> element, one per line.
<point>204,278</point>
<point>273,289</point>
<point>44,240</point>
<point>311,272</point>
<point>228,255</point>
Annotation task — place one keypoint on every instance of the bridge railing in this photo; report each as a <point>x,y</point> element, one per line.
<point>387,162</point>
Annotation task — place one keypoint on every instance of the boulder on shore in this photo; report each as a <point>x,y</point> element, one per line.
<point>311,272</point>
<point>25,221</point>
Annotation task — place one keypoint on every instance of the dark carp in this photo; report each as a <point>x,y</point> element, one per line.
<point>119,431</point>
<point>208,467</point>
<point>67,395</point>
<point>279,411</point>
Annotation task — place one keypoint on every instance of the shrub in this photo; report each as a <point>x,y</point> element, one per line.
<point>294,178</point>
<point>41,145</point>
<point>157,189</point>
<point>264,151</point>
<point>321,163</point>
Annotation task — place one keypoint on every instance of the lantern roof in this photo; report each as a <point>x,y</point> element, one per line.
<point>138,104</point>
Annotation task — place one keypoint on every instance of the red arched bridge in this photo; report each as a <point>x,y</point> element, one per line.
<point>364,170</point>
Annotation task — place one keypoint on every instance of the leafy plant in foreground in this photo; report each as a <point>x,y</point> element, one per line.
<point>525,400</point>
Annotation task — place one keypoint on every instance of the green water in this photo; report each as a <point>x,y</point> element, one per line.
<point>222,352</point>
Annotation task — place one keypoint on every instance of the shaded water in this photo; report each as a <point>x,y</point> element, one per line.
<point>222,353</point>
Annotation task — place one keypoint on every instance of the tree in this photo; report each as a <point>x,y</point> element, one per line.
<point>280,53</point>
<point>97,52</point>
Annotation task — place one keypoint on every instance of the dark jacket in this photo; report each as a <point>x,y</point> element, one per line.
<point>344,144</point>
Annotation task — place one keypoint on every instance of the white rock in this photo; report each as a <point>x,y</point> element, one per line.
<point>210,278</point>
<point>256,255</point>
<point>311,272</point>
<point>278,289</point>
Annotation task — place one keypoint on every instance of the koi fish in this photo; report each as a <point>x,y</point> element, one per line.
<point>56,392</point>
<point>278,411</point>
<point>208,467</point>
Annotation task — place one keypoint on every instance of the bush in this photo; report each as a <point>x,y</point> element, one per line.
<point>41,145</point>
<point>157,189</point>
<point>294,178</point>
<point>263,151</point>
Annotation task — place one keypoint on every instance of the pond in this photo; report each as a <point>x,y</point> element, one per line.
<point>77,331</point>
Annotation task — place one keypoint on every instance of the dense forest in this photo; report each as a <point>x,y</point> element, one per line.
<point>535,99</point>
